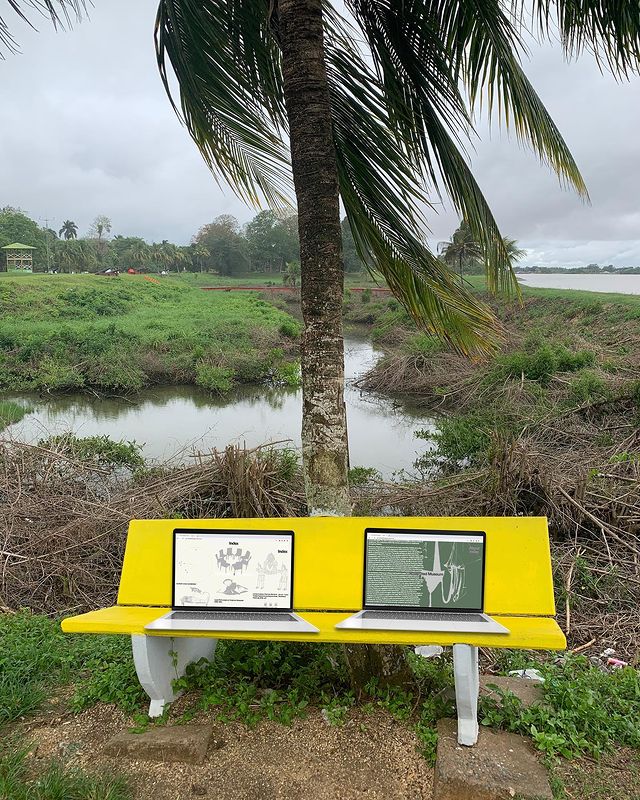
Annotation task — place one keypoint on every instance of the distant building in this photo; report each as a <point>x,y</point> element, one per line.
<point>18,256</point>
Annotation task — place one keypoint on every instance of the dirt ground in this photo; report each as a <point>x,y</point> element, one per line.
<point>370,756</point>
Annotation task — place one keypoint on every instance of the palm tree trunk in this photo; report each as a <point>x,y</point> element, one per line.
<point>324,425</point>
<point>325,452</point>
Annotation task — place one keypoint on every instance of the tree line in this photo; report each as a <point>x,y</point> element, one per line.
<point>268,243</point>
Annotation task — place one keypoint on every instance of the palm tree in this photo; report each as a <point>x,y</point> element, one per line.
<point>69,229</point>
<point>376,109</point>
<point>200,255</point>
<point>461,250</point>
<point>61,13</point>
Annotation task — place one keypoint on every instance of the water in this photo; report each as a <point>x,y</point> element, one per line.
<point>619,284</point>
<point>170,422</point>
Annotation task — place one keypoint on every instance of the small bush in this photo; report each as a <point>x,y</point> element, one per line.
<point>218,380</point>
<point>287,374</point>
<point>587,388</point>
<point>365,296</point>
<point>459,440</point>
<point>97,449</point>
<point>56,375</point>
<point>422,345</point>
<point>540,364</point>
<point>290,328</point>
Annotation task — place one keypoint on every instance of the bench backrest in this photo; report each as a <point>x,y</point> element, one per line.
<point>329,559</point>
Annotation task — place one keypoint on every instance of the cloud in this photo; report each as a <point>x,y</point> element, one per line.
<point>86,129</point>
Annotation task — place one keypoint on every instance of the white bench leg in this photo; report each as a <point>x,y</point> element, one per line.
<point>157,668</point>
<point>467,678</point>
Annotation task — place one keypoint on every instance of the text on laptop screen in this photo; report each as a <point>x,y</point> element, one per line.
<point>422,569</point>
<point>232,570</point>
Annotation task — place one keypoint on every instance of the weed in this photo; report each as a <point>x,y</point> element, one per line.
<point>97,449</point>
<point>585,710</point>
<point>54,782</point>
<point>587,388</point>
<point>218,380</point>
<point>539,365</point>
<point>360,476</point>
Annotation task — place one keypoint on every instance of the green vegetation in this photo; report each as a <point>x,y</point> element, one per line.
<point>584,711</point>
<point>54,782</point>
<point>63,333</point>
<point>11,412</point>
<point>96,450</point>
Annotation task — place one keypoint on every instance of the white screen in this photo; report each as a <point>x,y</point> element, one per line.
<point>233,570</point>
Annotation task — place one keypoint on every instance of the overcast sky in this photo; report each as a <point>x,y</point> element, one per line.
<point>86,129</point>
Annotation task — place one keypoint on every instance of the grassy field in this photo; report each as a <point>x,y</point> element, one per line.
<point>86,332</point>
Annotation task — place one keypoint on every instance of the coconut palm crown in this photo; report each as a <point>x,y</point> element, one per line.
<point>405,78</point>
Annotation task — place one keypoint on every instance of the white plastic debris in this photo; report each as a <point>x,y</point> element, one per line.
<point>608,653</point>
<point>429,650</point>
<point>529,674</point>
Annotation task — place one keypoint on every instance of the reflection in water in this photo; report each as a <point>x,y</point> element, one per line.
<point>170,421</point>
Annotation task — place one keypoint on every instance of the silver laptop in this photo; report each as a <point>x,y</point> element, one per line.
<point>225,580</point>
<point>421,580</point>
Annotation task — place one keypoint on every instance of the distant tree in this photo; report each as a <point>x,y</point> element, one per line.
<point>69,230</point>
<point>514,252</point>
<point>227,247</point>
<point>200,256</point>
<point>462,250</point>
<point>352,261</point>
<point>272,241</point>
<point>16,226</point>
<point>139,254</point>
<point>75,255</point>
<point>292,274</point>
<point>99,232</point>
<point>100,228</point>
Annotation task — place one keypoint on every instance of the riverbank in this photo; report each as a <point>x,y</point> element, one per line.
<point>114,335</point>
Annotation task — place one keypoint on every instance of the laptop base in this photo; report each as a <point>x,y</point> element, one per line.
<point>416,621</point>
<point>197,621</point>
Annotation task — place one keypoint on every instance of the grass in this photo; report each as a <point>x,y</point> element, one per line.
<point>10,413</point>
<point>77,332</point>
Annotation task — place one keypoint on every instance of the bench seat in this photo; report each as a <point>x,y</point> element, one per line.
<point>526,633</point>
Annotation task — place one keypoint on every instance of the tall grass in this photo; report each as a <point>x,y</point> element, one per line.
<point>10,413</point>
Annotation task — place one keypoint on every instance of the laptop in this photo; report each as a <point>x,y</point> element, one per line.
<point>232,580</point>
<point>424,580</point>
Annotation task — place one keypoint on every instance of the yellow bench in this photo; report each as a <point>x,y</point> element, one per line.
<point>328,578</point>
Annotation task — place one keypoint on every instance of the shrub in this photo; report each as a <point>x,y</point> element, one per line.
<point>422,345</point>
<point>215,379</point>
<point>100,449</point>
<point>459,440</point>
<point>365,296</point>
<point>539,365</point>
<point>287,374</point>
<point>290,328</point>
<point>56,375</point>
<point>588,387</point>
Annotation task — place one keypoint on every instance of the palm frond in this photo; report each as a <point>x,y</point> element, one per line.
<point>227,66</point>
<point>59,12</point>
<point>380,186</point>
<point>484,42</point>
<point>610,30</point>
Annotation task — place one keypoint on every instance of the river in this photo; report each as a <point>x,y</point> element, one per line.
<point>171,422</point>
<point>619,284</point>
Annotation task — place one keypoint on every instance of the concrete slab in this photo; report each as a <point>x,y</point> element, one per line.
<point>529,692</point>
<point>182,743</point>
<point>502,766</point>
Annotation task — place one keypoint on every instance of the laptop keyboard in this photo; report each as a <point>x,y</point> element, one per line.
<point>258,616</point>
<point>420,616</point>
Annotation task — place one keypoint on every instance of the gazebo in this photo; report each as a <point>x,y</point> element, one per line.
<point>19,256</point>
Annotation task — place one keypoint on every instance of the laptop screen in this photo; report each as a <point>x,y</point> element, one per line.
<point>419,569</point>
<point>232,569</point>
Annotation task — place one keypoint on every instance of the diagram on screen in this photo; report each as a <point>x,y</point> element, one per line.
<point>196,597</point>
<point>235,562</point>
<point>435,578</point>
<point>231,587</point>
